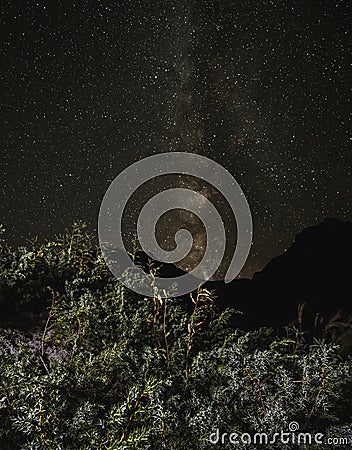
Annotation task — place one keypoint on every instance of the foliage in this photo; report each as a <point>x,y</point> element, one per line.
<point>105,368</point>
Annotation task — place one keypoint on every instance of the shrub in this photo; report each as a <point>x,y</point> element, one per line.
<point>105,368</point>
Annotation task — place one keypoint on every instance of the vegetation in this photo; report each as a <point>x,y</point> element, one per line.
<point>105,368</point>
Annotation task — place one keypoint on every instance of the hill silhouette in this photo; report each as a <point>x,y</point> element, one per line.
<point>315,272</point>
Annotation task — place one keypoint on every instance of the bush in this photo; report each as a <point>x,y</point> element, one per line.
<point>105,368</point>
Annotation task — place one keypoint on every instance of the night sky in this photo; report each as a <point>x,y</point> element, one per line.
<point>89,87</point>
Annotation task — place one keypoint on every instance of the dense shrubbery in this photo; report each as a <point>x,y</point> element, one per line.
<point>108,369</point>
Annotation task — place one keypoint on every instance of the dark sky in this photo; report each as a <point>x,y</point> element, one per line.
<point>88,87</point>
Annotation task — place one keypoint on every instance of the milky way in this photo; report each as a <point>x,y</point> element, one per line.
<point>89,88</point>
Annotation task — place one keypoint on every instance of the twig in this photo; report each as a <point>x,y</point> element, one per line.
<point>257,383</point>
<point>45,331</point>
<point>320,390</point>
<point>165,333</point>
<point>301,307</point>
<point>190,332</point>
<point>45,366</point>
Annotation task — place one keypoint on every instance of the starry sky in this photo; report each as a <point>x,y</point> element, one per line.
<point>89,87</point>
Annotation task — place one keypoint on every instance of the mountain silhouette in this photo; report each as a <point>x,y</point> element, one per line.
<point>315,272</point>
